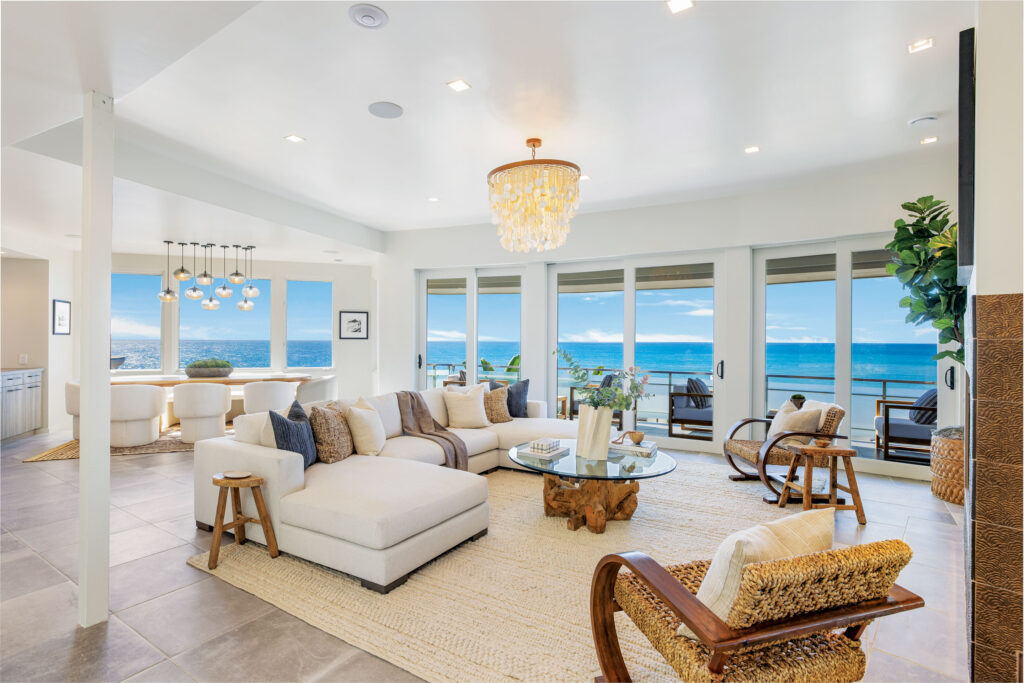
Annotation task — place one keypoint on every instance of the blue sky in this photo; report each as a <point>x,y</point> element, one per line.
<point>135,311</point>
<point>797,312</point>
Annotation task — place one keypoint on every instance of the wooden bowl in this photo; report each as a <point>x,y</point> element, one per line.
<point>635,437</point>
<point>823,443</point>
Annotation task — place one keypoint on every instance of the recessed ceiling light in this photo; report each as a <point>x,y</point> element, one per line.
<point>368,16</point>
<point>584,177</point>
<point>385,110</point>
<point>433,199</point>
<point>929,140</point>
<point>753,149</point>
<point>677,6</point>
<point>292,137</point>
<point>919,45</point>
<point>459,85</point>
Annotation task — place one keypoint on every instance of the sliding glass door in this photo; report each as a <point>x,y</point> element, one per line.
<point>498,335</point>
<point>445,330</point>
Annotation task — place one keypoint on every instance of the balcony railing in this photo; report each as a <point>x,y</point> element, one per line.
<point>437,373</point>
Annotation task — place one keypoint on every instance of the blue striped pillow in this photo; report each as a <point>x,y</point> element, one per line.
<point>294,433</point>
<point>929,399</point>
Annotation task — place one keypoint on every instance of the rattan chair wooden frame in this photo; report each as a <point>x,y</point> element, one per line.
<point>885,441</point>
<point>665,595</point>
<point>768,452</point>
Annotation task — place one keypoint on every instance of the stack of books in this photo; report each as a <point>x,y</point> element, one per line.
<point>645,449</point>
<point>547,448</point>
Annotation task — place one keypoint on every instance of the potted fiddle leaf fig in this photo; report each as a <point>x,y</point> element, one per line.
<point>924,261</point>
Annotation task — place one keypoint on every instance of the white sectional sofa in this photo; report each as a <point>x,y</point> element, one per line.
<point>380,517</point>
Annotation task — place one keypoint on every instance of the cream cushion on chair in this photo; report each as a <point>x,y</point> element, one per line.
<point>320,389</point>
<point>800,534</point>
<point>367,428</point>
<point>261,397</point>
<point>804,420</point>
<point>201,408</point>
<point>466,410</point>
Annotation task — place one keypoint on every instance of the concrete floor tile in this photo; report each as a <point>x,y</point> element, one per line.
<point>885,668</point>
<point>23,571</point>
<point>163,508</point>
<point>125,546</point>
<point>35,617</point>
<point>927,638</point>
<point>65,532</point>
<point>135,582</point>
<point>365,668</point>
<point>184,527</point>
<point>181,620</point>
<point>164,672</point>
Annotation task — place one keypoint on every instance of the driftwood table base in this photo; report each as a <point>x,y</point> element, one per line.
<point>589,501</point>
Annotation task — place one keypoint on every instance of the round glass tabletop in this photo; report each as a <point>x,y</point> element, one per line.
<point>619,466</point>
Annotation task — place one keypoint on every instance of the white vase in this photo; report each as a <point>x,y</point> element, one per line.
<point>629,420</point>
<point>594,432</point>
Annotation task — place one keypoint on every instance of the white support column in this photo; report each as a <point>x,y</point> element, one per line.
<point>94,323</point>
<point>737,333</point>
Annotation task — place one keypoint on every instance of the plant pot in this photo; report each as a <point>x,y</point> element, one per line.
<point>208,372</point>
<point>797,402</point>
<point>594,432</point>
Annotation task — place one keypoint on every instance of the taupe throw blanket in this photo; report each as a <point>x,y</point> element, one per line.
<point>417,421</point>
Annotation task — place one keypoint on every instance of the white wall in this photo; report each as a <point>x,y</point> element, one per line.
<point>354,289</point>
<point>999,237</point>
<point>851,201</point>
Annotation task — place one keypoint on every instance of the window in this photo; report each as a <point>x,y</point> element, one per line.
<point>135,321</point>
<point>590,323</point>
<point>239,337</point>
<point>890,358</point>
<point>800,328</point>
<point>446,329</point>
<point>310,324</point>
<point>498,323</point>
<point>674,334</point>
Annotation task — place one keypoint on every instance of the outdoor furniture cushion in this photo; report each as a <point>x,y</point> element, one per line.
<point>904,428</point>
<point>378,502</point>
<point>800,534</point>
<point>691,413</point>
<point>696,388</point>
<point>681,402</point>
<point>929,399</point>
<point>412,448</point>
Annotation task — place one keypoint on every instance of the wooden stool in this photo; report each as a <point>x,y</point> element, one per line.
<point>240,520</point>
<point>807,452</point>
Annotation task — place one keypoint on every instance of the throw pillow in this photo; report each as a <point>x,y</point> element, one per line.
<point>496,406</point>
<point>800,534</point>
<point>466,411</point>
<point>929,399</point>
<point>294,433</point>
<point>517,394</point>
<point>697,390</point>
<point>367,429</point>
<point>331,434</point>
<point>795,421</point>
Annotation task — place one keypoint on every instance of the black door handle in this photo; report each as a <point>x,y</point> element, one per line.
<point>950,376</point>
<point>720,369</point>
<point>419,360</point>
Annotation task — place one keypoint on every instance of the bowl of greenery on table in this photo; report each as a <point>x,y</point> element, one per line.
<point>211,367</point>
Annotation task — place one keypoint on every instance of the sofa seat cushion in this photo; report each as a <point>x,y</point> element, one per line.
<point>523,429</point>
<point>903,428</point>
<point>377,502</point>
<point>413,448</point>
<point>477,440</point>
<point>695,414</point>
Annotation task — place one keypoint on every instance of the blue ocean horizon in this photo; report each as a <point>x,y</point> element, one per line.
<point>144,354</point>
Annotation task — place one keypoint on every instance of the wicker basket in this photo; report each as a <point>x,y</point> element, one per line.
<point>948,464</point>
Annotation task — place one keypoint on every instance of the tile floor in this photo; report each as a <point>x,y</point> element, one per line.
<point>171,622</point>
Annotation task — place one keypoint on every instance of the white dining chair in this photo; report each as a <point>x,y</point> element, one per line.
<point>261,397</point>
<point>201,408</point>
<point>135,411</point>
<point>319,389</point>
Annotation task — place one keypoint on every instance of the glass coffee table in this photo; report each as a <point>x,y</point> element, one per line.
<point>591,492</point>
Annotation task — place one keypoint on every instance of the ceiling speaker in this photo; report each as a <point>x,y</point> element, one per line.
<point>368,16</point>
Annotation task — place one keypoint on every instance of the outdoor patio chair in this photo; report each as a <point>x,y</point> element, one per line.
<point>761,454</point>
<point>782,627</point>
<point>911,433</point>
<point>689,406</point>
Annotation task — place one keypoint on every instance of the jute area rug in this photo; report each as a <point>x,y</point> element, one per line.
<point>513,606</point>
<point>169,442</point>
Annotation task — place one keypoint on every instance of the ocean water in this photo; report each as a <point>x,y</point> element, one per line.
<point>144,354</point>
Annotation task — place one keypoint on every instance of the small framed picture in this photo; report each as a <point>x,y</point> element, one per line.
<point>353,325</point>
<point>61,316</point>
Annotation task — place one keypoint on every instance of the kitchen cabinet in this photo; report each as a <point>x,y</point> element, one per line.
<point>21,402</point>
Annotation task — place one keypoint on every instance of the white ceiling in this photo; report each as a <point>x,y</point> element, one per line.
<point>655,107</point>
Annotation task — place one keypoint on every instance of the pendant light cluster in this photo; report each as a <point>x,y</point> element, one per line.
<point>206,279</point>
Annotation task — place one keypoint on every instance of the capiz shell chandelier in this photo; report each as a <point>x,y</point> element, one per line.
<point>533,201</point>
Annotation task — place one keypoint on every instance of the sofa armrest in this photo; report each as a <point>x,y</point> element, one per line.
<point>536,409</point>
<point>282,473</point>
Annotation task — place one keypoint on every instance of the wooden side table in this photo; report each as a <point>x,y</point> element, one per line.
<point>251,482</point>
<point>807,453</point>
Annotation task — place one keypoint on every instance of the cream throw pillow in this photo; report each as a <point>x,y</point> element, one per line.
<point>367,428</point>
<point>800,534</point>
<point>466,410</point>
<point>789,419</point>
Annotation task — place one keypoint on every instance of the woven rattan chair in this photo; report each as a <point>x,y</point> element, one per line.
<point>784,625</point>
<point>764,453</point>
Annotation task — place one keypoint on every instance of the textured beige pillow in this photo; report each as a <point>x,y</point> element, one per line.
<point>800,534</point>
<point>793,420</point>
<point>367,429</point>
<point>331,434</point>
<point>496,406</point>
<point>466,411</point>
